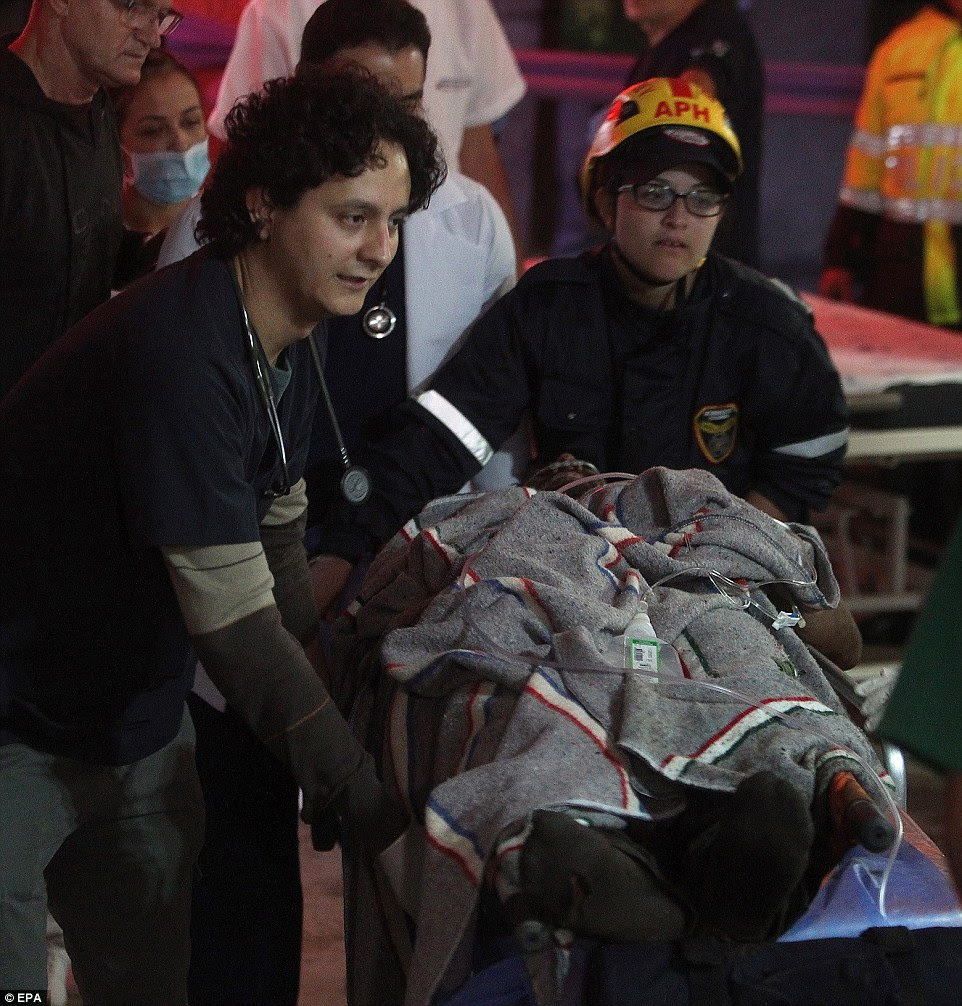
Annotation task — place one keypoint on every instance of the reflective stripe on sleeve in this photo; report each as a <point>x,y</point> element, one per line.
<point>866,200</point>
<point>922,134</point>
<point>907,210</point>
<point>868,143</point>
<point>469,435</point>
<point>815,447</point>
<point>911,137</point>
<point>902,209</point>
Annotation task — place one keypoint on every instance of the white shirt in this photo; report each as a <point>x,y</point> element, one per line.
<point>472,76</point>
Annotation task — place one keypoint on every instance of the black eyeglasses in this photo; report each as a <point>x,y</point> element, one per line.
<point>136,14</point>
<point>700,201</point>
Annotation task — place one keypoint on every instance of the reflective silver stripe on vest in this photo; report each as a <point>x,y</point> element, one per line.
<point>816,447</point>
<point>866,200</point>
<point>917,211</point>
<point>915,136</point>
<point>868,143</point>
<point>457,423</point>
<point>923,134</point>
<point>902,209</point>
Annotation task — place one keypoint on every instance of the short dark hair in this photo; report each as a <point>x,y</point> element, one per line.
<point>297,133</point>
<point>342,24</point>
<point>159,63</point>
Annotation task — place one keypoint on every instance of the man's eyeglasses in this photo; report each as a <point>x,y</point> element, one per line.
<point>700,201</point>
<point>142,15</point>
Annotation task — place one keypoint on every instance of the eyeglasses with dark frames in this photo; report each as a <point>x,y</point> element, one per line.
<point>143,15</point>
<point>658,196</point>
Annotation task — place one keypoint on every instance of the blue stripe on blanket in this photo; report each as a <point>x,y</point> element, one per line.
<point>453,839</point>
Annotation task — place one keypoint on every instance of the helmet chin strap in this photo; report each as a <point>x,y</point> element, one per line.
<point>680,287</point>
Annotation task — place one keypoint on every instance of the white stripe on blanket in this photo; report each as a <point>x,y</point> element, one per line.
<point>745,723</point>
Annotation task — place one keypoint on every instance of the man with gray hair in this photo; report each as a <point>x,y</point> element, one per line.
<point>60,166</point>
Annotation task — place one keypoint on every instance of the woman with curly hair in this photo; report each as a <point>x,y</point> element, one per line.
<point>275,144</point>
<point>161,512</point>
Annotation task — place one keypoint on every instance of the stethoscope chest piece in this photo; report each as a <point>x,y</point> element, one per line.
<point>355,485</point>
<point>379,322</point>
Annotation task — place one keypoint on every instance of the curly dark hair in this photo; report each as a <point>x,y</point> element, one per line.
<point>297,133</point>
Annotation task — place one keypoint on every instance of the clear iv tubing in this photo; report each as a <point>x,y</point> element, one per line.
<point>463,584</point>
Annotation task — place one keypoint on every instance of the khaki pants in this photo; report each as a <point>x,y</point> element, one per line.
<point>113,847</point>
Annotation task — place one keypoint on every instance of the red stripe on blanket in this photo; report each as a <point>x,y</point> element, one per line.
<point>475,718</point>
<point>532,592</point>
<point>804,700</point>
<point>507,849</point>
<point>614,560</point>
<point>430,536</point>
<point>446,850</point>
<point>603,748</point>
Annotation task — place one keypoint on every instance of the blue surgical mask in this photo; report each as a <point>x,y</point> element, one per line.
<point>170,176</point>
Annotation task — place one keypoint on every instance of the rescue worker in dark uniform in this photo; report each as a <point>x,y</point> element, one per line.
<point>651,350</point>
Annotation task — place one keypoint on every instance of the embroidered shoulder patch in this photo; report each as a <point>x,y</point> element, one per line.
<point>716,429</point>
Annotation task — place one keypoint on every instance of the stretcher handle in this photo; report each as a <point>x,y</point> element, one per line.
<point>856,817</point>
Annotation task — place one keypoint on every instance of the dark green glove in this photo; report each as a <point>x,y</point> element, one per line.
<point>363,813</point>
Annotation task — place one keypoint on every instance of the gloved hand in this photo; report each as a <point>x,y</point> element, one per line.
<point>874,693</point>
<point>325,829</point>
<point>364,812</point>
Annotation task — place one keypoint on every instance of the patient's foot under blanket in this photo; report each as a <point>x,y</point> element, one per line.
<point>474,663</point>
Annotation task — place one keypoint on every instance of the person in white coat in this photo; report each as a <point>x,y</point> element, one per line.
<point>472,81</point>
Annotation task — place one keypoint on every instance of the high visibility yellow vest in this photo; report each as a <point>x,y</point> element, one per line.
<point>904,160</point>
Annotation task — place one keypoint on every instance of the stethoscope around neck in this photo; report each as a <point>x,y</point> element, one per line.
<point>355,483</point>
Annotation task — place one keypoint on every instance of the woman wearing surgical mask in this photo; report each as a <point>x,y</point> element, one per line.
<point>164,139</point>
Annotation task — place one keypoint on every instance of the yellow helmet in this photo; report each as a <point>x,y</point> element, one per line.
<point>683,122</point>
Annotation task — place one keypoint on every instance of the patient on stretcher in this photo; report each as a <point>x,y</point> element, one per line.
<point>690,795</point>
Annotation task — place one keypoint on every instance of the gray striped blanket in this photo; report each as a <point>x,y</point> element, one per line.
<point>476,662</point>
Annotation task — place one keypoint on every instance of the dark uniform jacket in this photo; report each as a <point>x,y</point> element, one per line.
<point>735,381</point>
<point>141,428</point>
<point>60,214</point>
